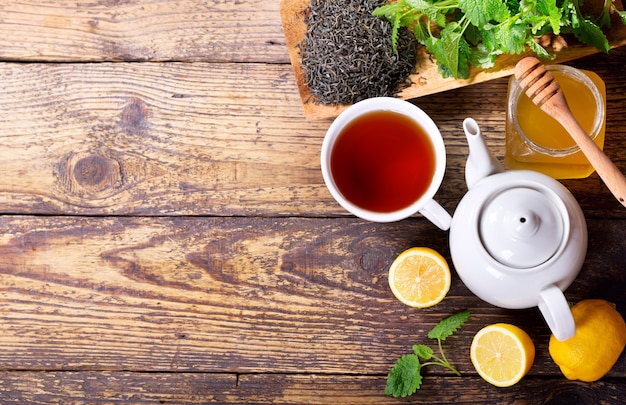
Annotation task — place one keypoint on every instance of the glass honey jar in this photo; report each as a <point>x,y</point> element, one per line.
<point>536,141</point>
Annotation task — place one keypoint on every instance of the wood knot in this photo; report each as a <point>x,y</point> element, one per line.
<point>134,114</point>
<point>90,175</point>
<point>370,262</point>
<point>96,172</point>
<point>369,255</point>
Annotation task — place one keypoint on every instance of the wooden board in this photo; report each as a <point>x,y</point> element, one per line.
<point>427,79</point>
<point>245,295</point>
<point>190,388</point>
<point>140,31</point>
<point>193,139</point>
<point>167,237</point>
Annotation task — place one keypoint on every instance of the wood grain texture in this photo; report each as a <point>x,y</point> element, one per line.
<point>202,388</point>
<point>166,236</point>
<point>209,139</point>
<point>141,30</point>
<point>155,139</point>
<point>260,295</point>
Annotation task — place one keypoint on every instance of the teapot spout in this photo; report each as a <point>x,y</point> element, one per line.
<point>480,163</point>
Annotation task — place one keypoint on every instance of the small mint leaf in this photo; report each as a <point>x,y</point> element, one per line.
<point>484,11</point>
<point>539,50</point>
<point>404,378</point>
<point>550,9</point>
<point>590,34</point>
<point>423,351</point>
<point>449,325</point>
<point>434,12</point>
<point>420,31</point>
<point>481,57</point>
<point>451,51</point>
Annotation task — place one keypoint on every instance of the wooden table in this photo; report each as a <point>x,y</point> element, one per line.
<point>166,236</point>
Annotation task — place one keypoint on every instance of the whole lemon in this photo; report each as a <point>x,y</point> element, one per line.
<point>599,340</point>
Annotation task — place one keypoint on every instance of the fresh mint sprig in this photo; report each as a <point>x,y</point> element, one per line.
<point>464,33</point>
<point>405,377</point>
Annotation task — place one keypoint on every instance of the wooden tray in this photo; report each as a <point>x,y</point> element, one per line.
<point>427,80</point>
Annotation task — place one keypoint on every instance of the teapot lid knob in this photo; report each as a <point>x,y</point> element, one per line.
<point>522,227</point>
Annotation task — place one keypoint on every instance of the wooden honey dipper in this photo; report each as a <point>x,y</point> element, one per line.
<point>545,92</point>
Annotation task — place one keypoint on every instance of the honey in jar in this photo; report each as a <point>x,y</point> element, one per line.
<point>536,141</point>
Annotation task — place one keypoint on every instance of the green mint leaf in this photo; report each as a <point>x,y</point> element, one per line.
<point>475,32</point>
<point>434,12</point>
<point>506,38</point>
<point>464,65</point>
<point>482,57</point>
<point>404,378</point>
<point>484,11</point>
<point>451,51</point>
<point>552,11</point>
<point>449,325</point>
<point>398,12</point>
<point>604,20</point>
<point>539,50</point>
<point>572,13</point>
<point>389,11</point>
<point>420,31</point>
<point>394,33</point>
<point>473,35</point>
<point>513,6</point>
<point>423,351</point>
<point>450,42</point>
<point>590,34</point>
<point>489,37</point>
<point>538,23</point>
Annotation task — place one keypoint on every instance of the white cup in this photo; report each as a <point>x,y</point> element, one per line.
<point>424,204</point>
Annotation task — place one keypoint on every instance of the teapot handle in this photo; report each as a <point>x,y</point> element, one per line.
<point>557,313</point>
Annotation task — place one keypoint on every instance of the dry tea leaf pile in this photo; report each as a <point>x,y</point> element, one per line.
<point>347,53</point>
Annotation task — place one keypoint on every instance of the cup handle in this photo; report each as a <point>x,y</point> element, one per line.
<point>557,313</point>
<point>436,214</point>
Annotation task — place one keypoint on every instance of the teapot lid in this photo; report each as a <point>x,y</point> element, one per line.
<point>522,227</point>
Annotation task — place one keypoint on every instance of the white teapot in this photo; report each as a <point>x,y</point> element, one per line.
<point>518,238</point>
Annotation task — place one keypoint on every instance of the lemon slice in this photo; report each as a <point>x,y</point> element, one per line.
<point>502,354</point>
<point>419,277</point>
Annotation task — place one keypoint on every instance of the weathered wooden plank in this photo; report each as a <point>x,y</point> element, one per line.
<point>202,388</point>
<point>241,295</point>
<point>319,389</point>
<point>156,139</point>
<point>115,388</point>
<point>154,30</point>
<point>135,297</point>
<point>209,139</point>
